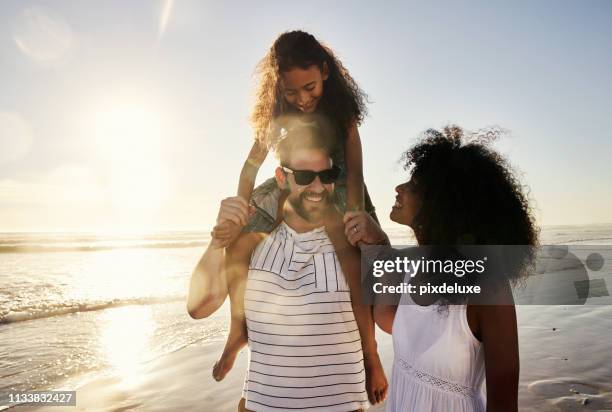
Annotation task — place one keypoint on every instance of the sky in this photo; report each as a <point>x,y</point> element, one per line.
<point>121,116</point>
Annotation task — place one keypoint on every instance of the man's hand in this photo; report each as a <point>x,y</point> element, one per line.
<point>235,209</point>
<point>234,213</point>
<point>360,227</point>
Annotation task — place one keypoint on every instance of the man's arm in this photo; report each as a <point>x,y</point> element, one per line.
<point>208,285</point>
<point>219,271</point>
<point>370,233</point>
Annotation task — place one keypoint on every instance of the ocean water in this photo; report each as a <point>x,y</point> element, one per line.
<point>74,305</point>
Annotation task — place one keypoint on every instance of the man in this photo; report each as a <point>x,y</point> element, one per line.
<point>305,343</point>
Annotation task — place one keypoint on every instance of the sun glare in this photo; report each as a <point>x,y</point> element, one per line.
<point>165,16</point>
<point>43,36</point>
<point>129,140</point>
<point>125,341</point>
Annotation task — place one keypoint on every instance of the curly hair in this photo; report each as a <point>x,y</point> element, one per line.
<point>470,194</point>
<point>342,100</point>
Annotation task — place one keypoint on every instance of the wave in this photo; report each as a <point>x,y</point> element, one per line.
<point>580,239</point>
<point>44,248</point>
<point>68,237</point>
<point>43,242</point>
<point>65,309</point>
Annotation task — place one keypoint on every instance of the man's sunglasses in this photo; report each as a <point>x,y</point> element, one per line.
<point>306,177</point>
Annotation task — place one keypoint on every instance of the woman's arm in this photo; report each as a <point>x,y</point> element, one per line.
<point>498,331</point>
<point>354,170</point>
<point>257,155</point>
<point>384,315</point>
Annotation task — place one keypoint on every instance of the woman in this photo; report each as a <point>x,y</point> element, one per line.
<point>460,193</point>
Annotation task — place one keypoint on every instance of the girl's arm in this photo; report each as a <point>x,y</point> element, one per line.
<point>257,155</point>
<point>354,170</point>
<point>229,231</point>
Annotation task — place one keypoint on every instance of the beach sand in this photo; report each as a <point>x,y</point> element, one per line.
<point>565,351</point>
<point>179,381</point>
<point>556,375</point>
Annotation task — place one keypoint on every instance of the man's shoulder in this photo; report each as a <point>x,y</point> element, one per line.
<point>244,245</point>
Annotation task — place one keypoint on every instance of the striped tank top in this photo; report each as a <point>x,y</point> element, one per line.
<point>305,349</point>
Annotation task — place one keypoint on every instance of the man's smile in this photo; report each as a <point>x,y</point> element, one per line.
<point>314,197</point>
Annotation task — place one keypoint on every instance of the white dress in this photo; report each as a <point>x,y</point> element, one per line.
<point>438,364</point>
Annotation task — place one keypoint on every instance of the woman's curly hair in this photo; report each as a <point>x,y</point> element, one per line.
<point>470,194</point>
<point>342,100</point>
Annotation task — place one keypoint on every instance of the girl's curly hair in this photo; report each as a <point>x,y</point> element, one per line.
<point>342,100</point>
<point>470,194</point>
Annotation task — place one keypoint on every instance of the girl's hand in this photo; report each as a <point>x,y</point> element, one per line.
<point>225,233</point>
<point>234,214</point>
<point>360,227</point>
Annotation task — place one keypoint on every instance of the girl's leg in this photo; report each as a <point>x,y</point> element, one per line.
<point>268,201</point>
<point>236,268</point>
<point>242,407</point>
<point>237,337</point>
<point>350,262</point>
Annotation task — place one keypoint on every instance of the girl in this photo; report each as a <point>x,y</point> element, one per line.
<point>300,75</point>
<point>447,346</point>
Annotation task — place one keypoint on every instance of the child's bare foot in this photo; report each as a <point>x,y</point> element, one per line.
<point>376,381</point>
<point>236,340</point>
<point>224,364</point>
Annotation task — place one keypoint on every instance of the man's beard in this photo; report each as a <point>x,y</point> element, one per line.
<point>310,216</point>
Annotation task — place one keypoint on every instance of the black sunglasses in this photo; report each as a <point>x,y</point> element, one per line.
<point>306,177</point>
